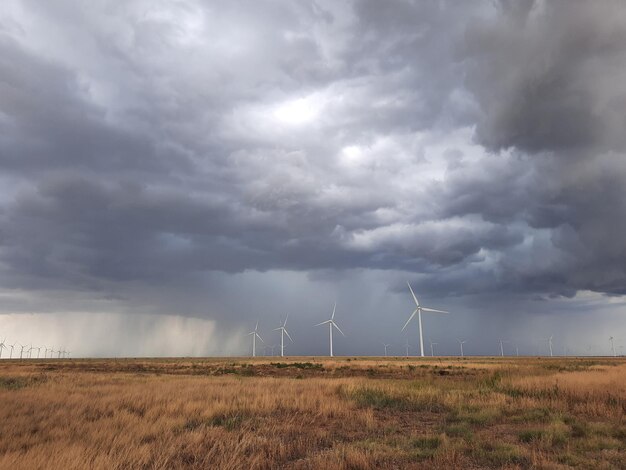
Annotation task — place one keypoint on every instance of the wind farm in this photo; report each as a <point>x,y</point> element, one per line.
<point>302,235</point>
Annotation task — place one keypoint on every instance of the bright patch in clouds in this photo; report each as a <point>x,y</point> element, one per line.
<point>297,112</point>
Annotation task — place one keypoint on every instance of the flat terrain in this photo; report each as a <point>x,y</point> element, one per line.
<point>313,413</point>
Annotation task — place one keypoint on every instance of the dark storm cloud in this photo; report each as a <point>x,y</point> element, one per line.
<point>477,146</point>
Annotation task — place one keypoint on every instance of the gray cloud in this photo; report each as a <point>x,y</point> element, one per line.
<point>154,148</point>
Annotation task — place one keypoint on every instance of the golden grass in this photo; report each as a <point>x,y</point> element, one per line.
<point>310,413</point>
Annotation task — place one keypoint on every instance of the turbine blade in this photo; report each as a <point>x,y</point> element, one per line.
<point>338,329</point>
<point>259,336</point>
<point>278,329</point>
<point>285,324</point>
<point>334,308</point>
<point>410,318</point>
<point>413,294</point>
<point>324,322</point>
<point>426,309</point>
<point>257,325</point>
<point>288,336</point>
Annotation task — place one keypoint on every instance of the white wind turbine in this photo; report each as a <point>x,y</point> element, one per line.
<point>502,341</point>
<point>2,346</point>
<point>419,309</point>
<point>255,335</point>
<point>386,346</point>
<point>331,324</point>
<point>11,346</point>
<point>461,343</point>
<point>407,346</point>
<point>549,340</point>
<point>283,331</point>
<point>612,346</point>
<point>432,349</point>
<point>22,351</point>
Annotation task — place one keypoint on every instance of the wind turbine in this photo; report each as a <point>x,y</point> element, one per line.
<point>38,348</point>
<point>612,346</point>
<point>386,346</point>
<point>407,346</point>
<point>255,335</point>
<point>419,311</point>
<point>549,340</point>
<point>501,347</point>
<point>283,331</point>
<point>2,346</point>
<point>11,346</point>
<point>22,350</point>
<point>432,349</point>
<point>461,343</point>
<point>331,324</point>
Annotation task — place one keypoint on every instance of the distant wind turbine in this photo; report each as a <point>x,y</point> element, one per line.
<point>2,346</point>
<point>419,309</point>
<point>549,340</point>
<point>11,346</point>
<point>386,346</point>
<point>331,324</point>
<point>612,346</point>
<point>502,347</point>
<point>255,335</point>
<point>407,346</point>
<point>461,343</point>
<point>283,331</point>
<point>22,351</point>
<point>432,349</point>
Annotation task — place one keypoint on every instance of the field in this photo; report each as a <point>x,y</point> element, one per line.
<point>313,413</point>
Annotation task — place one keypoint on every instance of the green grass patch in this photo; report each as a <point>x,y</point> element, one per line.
<point>17,383</point>
<point>424,447</point>
<point>495,454</point>
<point>298,365</point>
<point>380,399</point>
<point>476,416</point>
<point>462,430</point>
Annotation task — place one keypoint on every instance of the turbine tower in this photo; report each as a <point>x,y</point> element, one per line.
<point>432,349</point>
<point>612,346</point>
<point>283,331</point>
<point>255,335</point>
<point>419,309</point>
<point>22,351</point>
<point>407,346</point>
<point>502,347</point>
<point>331,324</point>
<point>11,346</point>
<point>461,343</point>
<point>549,340</point>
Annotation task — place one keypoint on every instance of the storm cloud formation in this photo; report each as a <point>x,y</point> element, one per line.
<point>152,150</point>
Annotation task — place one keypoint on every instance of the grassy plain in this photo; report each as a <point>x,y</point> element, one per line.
<point>313,413</point>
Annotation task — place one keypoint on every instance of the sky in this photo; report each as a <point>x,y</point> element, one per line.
<point>173,171</point>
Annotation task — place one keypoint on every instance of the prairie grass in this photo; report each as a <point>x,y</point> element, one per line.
<point>311,413</point>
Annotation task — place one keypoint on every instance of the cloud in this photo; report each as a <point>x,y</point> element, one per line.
<point>154,148</point>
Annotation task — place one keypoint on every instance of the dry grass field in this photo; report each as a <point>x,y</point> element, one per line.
<point>313,413</point>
